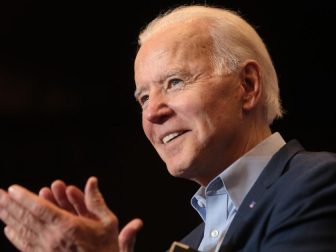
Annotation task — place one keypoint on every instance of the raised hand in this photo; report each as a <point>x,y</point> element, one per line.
<point>36,224</point>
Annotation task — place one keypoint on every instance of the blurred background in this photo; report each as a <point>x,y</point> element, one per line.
<point>67,109</point>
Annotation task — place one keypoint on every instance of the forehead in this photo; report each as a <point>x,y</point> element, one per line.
<point>175,46</point>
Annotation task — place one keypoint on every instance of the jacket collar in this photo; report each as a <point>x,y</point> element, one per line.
<point>272,172</point>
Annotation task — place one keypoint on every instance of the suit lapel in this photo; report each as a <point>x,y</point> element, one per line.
<point>194,238</point>
<point>272,172</point>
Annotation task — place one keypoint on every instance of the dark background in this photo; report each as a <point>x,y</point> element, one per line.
<point>67,108</point>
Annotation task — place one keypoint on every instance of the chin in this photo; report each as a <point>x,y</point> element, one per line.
<point>180,170</point>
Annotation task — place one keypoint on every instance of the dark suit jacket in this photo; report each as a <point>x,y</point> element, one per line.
<point>293,209</point>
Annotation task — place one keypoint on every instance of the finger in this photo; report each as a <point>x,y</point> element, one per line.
<point>39,207</point>
<point>58,189</point>
<point>76,198</point>
<point>128,234</point>
<point>17,241</point>
<point>24,225</point>
<point>96,203</point>
<point>13,214</point>
<point>46,193</point>
<point>4,204</point>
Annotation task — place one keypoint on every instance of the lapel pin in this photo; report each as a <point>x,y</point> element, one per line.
<point>252,204</point>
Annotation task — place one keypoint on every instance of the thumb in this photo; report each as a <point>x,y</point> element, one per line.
<point>95,202</point>
<point>128,234</point>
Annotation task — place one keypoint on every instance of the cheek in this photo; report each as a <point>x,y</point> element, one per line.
<point>189,106</point>
<point>146,128</point>
<point>213,115</point>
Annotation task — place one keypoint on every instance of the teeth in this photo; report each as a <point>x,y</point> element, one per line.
<point>169,137</point>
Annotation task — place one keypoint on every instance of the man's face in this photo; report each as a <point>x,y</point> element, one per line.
<point>191,115</point>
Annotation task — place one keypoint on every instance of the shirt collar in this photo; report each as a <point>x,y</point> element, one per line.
<point>240,176</point>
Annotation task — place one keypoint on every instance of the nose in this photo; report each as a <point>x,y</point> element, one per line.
<point>157,110</point>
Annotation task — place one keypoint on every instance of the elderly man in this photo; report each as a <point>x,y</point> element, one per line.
<point>209,92</point>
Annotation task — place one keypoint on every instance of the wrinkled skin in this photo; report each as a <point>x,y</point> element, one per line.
<point>64,219</point>
<point>198,120</point>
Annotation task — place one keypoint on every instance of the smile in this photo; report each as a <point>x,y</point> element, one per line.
<point>168,138</point>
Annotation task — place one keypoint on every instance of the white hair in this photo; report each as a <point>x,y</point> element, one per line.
<point>234,42</point>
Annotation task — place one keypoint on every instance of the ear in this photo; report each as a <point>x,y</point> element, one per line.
<point>250,84</point>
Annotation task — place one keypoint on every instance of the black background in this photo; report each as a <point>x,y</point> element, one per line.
<point>67,108</point>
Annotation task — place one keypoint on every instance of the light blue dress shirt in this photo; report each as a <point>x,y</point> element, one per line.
<point>218,203</point>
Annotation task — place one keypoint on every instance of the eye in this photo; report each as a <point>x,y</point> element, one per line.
<point>174,82</point>
<point>143,99</point>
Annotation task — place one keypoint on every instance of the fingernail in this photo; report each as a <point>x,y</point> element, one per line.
<point>8,231</point>
<point>13,190</point>
<point>94,181</point>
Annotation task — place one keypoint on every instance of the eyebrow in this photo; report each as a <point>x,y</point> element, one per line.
<point>138,91</point>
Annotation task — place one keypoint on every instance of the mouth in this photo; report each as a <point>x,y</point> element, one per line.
<point>171,136</point>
